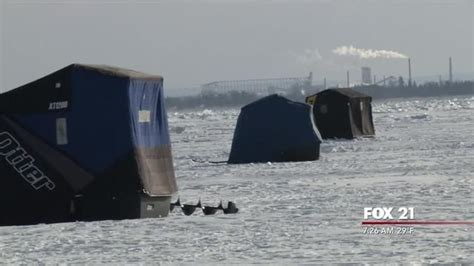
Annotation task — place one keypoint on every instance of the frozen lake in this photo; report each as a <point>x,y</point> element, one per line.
<point>307,212</point>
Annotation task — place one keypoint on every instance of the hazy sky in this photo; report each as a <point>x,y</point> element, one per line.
<point>195,42</point>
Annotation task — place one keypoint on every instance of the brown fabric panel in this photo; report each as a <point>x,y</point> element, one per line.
<point>354,127</point>
<point>357,117</point>
<point>74,175</point>
<point>367,122</point>
<point>155,167</point>
<point>361,120</point>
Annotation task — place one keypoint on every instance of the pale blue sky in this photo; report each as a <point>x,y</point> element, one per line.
<point>195,42</point>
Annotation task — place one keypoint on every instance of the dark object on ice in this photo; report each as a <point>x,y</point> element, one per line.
<point>189,209</point>
<point>231,208</point>
<point>275,129</point>
<point>342,113</point>
<point>175,204</point>
<point>88,142</point>
<point>208,210</point>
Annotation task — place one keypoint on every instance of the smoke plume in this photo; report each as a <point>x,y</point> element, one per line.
<point>367,53</point>
<point>307,57</point>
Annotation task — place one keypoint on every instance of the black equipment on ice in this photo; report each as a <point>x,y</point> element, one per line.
<point>189,209</point>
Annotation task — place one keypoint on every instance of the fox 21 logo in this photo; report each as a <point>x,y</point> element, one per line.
<point>389,213</point>
<point>385,218</point>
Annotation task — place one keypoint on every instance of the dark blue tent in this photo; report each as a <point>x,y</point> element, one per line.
<point>275,129</point>
<point>87,142</point>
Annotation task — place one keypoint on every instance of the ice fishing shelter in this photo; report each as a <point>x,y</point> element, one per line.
<point>342,113</point>
<point>88,142</point>
<point>275,129</point>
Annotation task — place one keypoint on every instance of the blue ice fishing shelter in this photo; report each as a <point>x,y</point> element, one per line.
<point>87,142</point>
<point>275,129</point>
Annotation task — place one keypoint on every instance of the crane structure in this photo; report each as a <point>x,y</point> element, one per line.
<point>385,79</point>
<point>257,86</point>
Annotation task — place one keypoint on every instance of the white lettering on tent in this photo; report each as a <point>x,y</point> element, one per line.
<point>61,131</point>
<point>144,116</point>
<point>22,162</point>
<point>58,105</point>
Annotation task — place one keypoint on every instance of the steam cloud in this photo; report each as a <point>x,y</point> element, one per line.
<point>367,53</point>
<point>308,57</point>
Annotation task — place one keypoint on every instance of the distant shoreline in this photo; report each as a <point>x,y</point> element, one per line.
<point>425,90</point>
<point>238,99</point>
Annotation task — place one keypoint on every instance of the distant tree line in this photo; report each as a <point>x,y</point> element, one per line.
<point>428,89</point>
<point>208,100</point>
<point>297,92</point>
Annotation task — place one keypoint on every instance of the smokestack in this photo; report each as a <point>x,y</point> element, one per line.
<point>348,82</point>
<point>325,83</point>
<point>409,72</point>
<point>450,70</point>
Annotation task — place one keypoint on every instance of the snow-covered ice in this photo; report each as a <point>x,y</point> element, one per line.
<point>305,212</point>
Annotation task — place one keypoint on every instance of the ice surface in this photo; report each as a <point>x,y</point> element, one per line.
<point>306,212</point>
